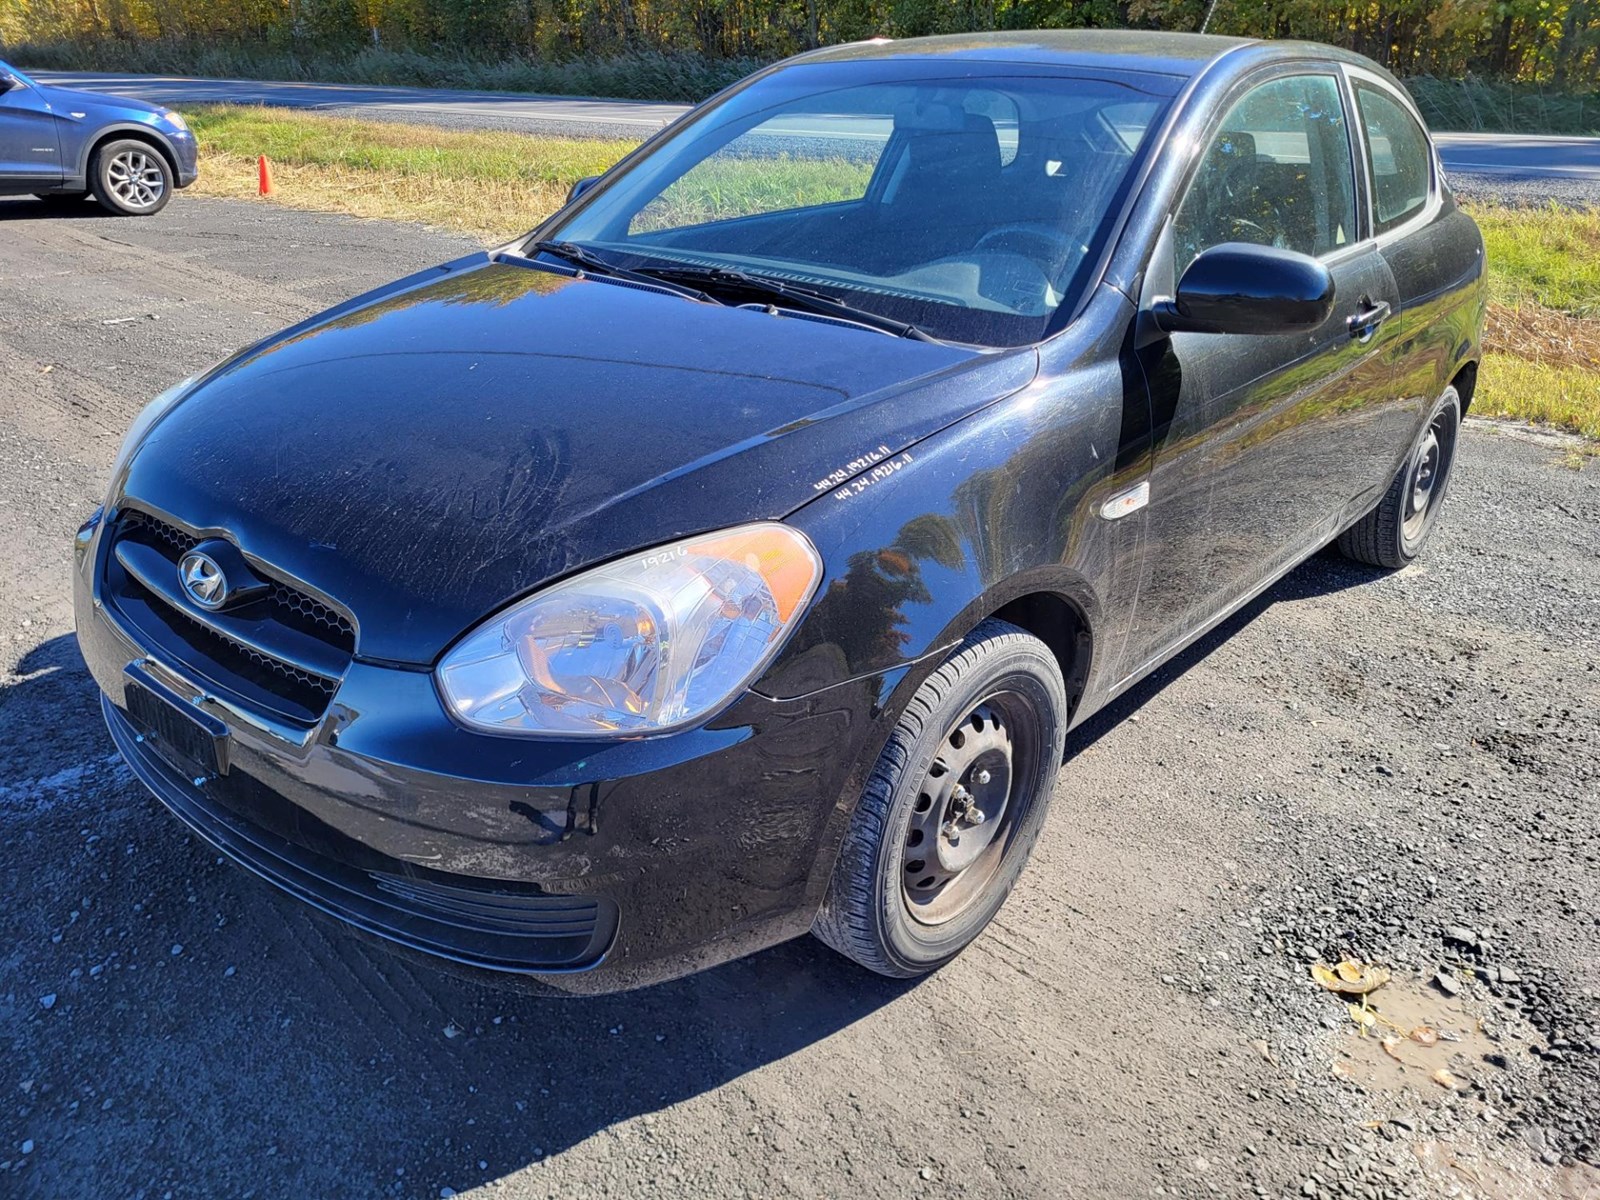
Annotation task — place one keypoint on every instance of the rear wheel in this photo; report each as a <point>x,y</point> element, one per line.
<point>1394,532</point>
<point>953,807</point>
<point>131,178</point>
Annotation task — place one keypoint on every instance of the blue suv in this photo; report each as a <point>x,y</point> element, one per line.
<point>59,143</point>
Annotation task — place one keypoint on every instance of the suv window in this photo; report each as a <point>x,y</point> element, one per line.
<point>1279,173</point>
<point>1397,155</point>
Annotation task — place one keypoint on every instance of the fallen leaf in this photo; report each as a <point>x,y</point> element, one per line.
<point>1362,1017</point>
<point>1391,1047</point>
<point>1340,1071</point>
<point>1446,1080</point>
<point>1350,978</point>
<point>1424,1036</point>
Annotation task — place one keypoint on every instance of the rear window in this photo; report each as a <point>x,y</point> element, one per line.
<point>1397,156</point>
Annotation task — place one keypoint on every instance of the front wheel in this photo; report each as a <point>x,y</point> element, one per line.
<point>1394,532</point>
<point>131,178</point>
<point>953,807</point>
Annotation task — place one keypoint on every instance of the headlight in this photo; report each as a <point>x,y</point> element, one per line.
<point>148,416</point>
<point>176,121</point>
<point>652,642</point>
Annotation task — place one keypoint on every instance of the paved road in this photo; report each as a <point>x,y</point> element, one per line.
<point>493,110</point>
<point>1495,154</point>
<point>1354,763</point>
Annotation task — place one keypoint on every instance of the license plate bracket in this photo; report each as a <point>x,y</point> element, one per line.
<point>192,742</point>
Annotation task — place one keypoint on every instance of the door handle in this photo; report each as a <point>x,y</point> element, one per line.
<point>1366,321</point>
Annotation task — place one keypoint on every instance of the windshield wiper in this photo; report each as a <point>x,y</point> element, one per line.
<point>587,260</point>
<point>803,297</point>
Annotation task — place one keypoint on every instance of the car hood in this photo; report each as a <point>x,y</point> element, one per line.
<point>430,452</point>
<point>63,100</point>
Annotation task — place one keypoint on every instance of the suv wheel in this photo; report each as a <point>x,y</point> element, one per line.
<point>131,178</point>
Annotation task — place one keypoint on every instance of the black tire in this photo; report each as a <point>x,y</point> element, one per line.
<point>1001,674</point>
<point>130,178</point>
<point>1394,532</point>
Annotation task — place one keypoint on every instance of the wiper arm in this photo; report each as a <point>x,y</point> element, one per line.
<point>814,301</point>
<point>587,260</point>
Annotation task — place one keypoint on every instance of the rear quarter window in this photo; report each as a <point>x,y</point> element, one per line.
<point>1398,158</point>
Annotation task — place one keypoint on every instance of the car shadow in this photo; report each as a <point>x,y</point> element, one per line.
<point>281,1051</point>
<point>30,208</point>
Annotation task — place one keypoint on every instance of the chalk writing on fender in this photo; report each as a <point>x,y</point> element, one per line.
<point>854,466</point>
<point>862,482</point>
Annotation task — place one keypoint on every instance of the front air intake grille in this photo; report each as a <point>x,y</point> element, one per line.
<point>294,606</point>
<point>284,651</point>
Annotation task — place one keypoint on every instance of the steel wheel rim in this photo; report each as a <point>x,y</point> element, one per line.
<point>967,809</point>
<point>1428,466</point>
<point>136,179</point>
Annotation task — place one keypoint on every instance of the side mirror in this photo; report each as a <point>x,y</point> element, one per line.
<point>582,186</point>
<point>1240,288</point>
<point>7,82</point>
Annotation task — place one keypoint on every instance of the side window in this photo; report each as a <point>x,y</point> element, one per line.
<point>1397,154</point>
<point>1278,173</point>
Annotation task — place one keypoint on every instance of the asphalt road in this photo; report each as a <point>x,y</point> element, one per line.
<point>1357,763</point>
<point>1512,156</point>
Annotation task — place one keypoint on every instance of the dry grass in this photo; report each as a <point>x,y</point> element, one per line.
<point>1544,335</point>
<point>490,212</point>
<point>491,186</point>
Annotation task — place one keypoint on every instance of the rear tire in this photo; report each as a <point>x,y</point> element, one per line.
<point>130,178</point>
<point>952,809</point>
<point>1394,532</point>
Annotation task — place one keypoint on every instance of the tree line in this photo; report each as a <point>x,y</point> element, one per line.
<point>1555,43</point>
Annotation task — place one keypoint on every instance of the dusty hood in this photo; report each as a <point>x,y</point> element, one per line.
<point>430,453</point>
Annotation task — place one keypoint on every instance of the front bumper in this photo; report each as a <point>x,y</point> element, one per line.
<point>186,156</point>
<point>577,866</point>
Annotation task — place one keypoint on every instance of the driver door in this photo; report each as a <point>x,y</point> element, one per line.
<point>1257,437</point>
<point>30,155</point>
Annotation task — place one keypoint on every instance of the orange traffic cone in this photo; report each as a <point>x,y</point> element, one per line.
<point>265,171</point>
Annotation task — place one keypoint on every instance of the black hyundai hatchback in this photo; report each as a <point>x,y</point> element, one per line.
<point>730,558</point>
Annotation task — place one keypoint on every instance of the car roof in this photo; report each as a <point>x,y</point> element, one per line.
<point>1179,55</point>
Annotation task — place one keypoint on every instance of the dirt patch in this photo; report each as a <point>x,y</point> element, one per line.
<point>1410,1039</point>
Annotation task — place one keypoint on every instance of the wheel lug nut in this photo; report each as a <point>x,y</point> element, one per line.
<point>981,778</point>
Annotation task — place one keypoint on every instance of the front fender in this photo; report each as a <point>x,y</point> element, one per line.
<point>89,137</point>
<point>921,546</point>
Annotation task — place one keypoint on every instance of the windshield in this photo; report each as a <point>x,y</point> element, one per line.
<point>972,208</point>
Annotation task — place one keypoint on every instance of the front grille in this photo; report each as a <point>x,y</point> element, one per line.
<point>294,606</point>
<point>283,652</point>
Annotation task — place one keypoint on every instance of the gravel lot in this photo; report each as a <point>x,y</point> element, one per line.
<point>1404,768</point>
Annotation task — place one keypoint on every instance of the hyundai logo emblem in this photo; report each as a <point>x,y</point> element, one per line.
<point>203,580</point>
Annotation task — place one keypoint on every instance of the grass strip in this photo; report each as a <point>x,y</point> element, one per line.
<point>488,185</point>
